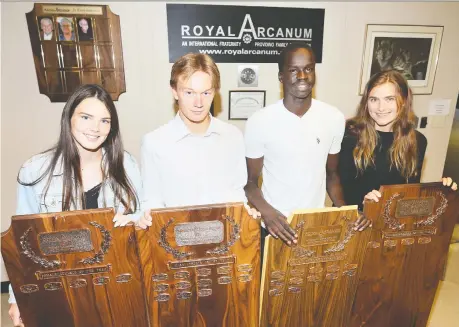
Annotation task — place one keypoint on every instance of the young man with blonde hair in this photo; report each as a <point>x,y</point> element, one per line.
<point>195,158</point>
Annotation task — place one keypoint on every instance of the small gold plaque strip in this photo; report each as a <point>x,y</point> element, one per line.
<point>101,280</point>
<point>123,278</point>
<point>410,233</point>
<point>224,280</point>
<point>321,235</point>
<point>349,273</point>
<point>244,268</point>
<point>78,283</point>
<point>245,278</point>
<point>224,270</point>
<point>29,288</point>
<point>183,285</point>
<point>53,286</point>
<point>183,295</point>
<point>333,268</point>
<point>350,266</point>
<point>277,282</point>
<point>72,10</point>
<point>162,297</point>
<point>201,262</point>
<point>373,245</point>
<point>182,275</point>
<point>414,207</point>
<point>322,258</point>
<point>202,232</point>
<point>424,240</point>
<point>297,273</point>
<point>203,272</point>
<point>390,243</point>
<point>204,292</point>
<point>331,276</point>
<point>407,241</point>
<point>72,272</point>
<point>314,278</point>
<point>275,292</point>
<point>316,270</point>
<point>73,241</point>
<point>160,287</point>
<point>296,281</point>
<point>204,283</point>
<point>159,277</point>
<point>294,289</point>
<point>278,274</point>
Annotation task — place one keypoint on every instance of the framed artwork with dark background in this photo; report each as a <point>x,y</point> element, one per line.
<point>76,44</point>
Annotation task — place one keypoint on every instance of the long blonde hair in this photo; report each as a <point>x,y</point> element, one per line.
<point>403,152</point>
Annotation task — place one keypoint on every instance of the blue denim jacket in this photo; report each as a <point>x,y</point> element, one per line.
<point>31,200</point>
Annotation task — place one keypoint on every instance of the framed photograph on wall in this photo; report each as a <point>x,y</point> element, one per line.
<point>242,104</point>
<point>411,50</point>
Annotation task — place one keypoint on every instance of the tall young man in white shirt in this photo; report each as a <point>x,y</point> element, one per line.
<point>195,158</point>
<point>295,144</point>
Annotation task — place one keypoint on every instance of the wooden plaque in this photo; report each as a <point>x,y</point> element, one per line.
<point>213,279</point>
<point>412,228</point>
<point>90,52</point>
<point>74,269</point>
<point>314,282</point>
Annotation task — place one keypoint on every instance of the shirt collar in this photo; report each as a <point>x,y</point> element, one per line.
<point>181,130</point>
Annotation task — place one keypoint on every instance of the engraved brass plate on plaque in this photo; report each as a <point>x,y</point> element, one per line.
<point>275,292</point>
<point>29,288</point>
<point>333,268</point>
<point>244,268</point>
<point>204,292</point>
<point>53,286</point>
<point>224,280</point>
<point>314,278</point>
<point>160,287</point>
<point>331,276</point>
<point>349,273</point>
<point>123,278</point>
<point>245,278</point>
<point>296,281</point>
<point>316,270</point>
<point>321,235</point>
<point>202,232</point>
<point>200,262</point>
<point>407,241</point>
<point>223,270</point>
<point>77,240</point>
<point>182,275</point>
<point>410,233</point>
<point>297,273</point>
<point>183,285</point>
<point>424,240</point>
<point>278,274</point>
<point>101,280</point>
<point>390,243</point>
<point>204,283</point>
<point>159,277</point>
<point>294,289</point>
<point>276,282</point>
<point>414,207</point>
<point>373,245</point>
<point>203,272</point>
<point>72,272</point>
<point>321,258</point>
<point>162,297</point>
<point>183,295</point>
<point>78,283</point>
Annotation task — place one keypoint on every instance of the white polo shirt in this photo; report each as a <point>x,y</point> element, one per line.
<point>295,151</point>
<point>182,169</point>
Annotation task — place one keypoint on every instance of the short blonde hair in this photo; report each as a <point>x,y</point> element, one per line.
<point>191,63</point>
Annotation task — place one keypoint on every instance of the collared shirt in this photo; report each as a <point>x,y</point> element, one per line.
<point>295,152</point>
<point>182,169</point>
<point>31,199</point>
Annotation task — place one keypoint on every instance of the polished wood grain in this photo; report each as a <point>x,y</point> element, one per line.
<point>112,304</point>
<point>399,280</point>
<point>231,305</point>
<point>323,292</point>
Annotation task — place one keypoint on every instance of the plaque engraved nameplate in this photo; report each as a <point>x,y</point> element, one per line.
<point>183,285</point>
<point>162,297</point>
<point>245,278</point>
<point>407,241</point>
<point>294,289</point>
<point>275,292</point>
<point>314,278</point>
<point>390,243</point>
<point>224,270</point>
<point>278,274</point>
<point>276,282</point>
<point>333,268</point>
<point>424,240</point>
<point>160,287</point>
<point>204,292</point>
<point>53,286</point>
<point>224,280</point>
<point>72,272</point>
<point>316,269</point>
<point>101,280</point>
<point>159,277</point>
<point>296,281</point>
<point>297,273</point>
<point>373,245</point>
<point>201,262</point>
<point>204,283</point>
<point>29,288</point>
<point>203,272</point>
<point>182,275</point>
<point>414,207</point>
<point>322,235</point>
<point>73,241</point>
<point>244,268</point>
<point>77,283</point>
<point>203,232</point>
<point>183,295</point>
<point>410,233</point>
<point>322,258</point>
<point>123,278</point>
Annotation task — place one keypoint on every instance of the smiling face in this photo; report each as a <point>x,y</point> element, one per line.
<point>84,25</point>
<point>382,106</point>
<point>194,97</point>
<point>298,74</point>
<point>46,25</point>
<point>90,124</point>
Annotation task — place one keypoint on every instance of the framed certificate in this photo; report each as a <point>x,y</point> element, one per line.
<point>242,104</point>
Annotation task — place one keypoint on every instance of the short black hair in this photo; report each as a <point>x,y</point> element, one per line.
<point>290,48</point>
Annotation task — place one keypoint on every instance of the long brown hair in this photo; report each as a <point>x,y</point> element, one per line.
<point>403,152</point>
<point>112,162</point>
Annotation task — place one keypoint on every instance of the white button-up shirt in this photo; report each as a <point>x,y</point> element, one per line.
<point>183,169</point>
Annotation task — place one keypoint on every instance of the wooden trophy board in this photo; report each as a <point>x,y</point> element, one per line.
<point>314,282</point>
<point>412,228</point>
<point>201,266</point>
<point>91,54</point>
<point>74,269</point>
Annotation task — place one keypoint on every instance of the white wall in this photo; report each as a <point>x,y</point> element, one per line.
<point>30,122</point>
